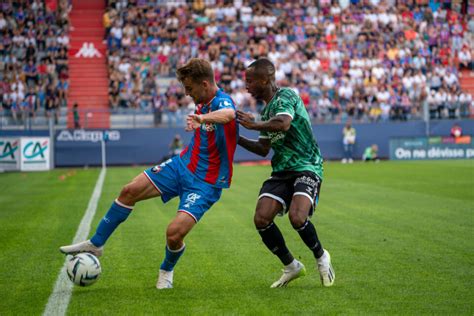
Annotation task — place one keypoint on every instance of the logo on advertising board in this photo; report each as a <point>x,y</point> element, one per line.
<point>431,148</point>
<point>87,136</point>
<point>35,153</point>
<point>9,154</point>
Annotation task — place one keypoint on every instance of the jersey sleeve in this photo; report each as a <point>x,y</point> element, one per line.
<point>263,134</point>
<point>286,104</point>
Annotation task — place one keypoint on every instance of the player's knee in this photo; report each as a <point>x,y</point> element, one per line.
<point>261,221</point>
<point>174,237</point>
<point>129,193</point>
<point>297,219</point>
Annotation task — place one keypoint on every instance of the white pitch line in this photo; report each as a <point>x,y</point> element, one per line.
<point>59,300</point>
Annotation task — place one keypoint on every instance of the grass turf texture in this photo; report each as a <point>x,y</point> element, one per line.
<point>400,236</point>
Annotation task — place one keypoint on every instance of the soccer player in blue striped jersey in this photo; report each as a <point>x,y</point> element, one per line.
<point>197,176</point>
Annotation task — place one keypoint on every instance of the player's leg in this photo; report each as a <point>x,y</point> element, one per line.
<point>196,198</point>
<point>304,200</point>
<point>266,210</point>
<point>140,188</point>
<point>175,233</point>
<point>271,202</point>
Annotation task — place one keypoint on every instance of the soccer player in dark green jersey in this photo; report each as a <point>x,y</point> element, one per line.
<point>297,171</point>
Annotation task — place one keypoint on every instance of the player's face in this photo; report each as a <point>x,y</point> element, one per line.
<point>196,90</point>
<point>254,83</point>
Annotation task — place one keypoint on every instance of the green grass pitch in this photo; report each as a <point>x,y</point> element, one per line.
<point>400,236</point>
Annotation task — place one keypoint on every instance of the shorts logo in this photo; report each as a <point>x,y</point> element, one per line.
<point>310,183</point>
<point>306,180</point>
<point>191,199</point>
<point>156,169</point>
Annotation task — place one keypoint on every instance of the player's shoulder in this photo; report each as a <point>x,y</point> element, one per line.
<point>223,100</point>
<point>287,94</point>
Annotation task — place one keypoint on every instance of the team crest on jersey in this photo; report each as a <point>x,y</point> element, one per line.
<point>156,169</point>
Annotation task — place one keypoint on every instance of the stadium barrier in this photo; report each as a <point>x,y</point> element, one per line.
<point>149,145</point>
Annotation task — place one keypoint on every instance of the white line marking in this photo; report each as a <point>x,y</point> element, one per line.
<point>59,300</point>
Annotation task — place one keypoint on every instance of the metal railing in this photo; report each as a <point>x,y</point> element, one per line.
<point>148,118</point>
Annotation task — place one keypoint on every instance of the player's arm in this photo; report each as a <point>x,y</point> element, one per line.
<point>260,147</point>
<point>222,116</point>
<point>279,123</point>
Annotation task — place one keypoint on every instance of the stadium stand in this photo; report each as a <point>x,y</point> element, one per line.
<point>34,69</point>
<point>365,60</point>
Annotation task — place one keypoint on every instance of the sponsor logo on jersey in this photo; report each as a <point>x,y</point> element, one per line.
<point>276,136</point>
<point>208,127</point>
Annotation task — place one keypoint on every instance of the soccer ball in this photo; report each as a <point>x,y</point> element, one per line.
<point>83,269</point>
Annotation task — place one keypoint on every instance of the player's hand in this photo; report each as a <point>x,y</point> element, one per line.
<point>247,120</point>
<point>193,121</point>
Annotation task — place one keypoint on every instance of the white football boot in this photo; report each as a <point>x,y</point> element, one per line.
<point>165,280</point>
<point>292,271</point>
<point>84,246</point>
<point>325,269</point>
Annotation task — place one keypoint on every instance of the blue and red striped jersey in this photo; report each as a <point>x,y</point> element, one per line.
<point>210,153</point>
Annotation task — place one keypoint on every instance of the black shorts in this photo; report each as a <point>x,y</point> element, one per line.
<point>282,186</point>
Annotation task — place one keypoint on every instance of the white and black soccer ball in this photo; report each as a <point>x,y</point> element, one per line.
<point>83,269</point>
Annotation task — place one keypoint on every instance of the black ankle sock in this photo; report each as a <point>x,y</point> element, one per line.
<point>310,237</point>
<point>273,239</point>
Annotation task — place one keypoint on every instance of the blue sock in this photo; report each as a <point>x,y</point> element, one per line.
<point>171,258</point>
<point>116,214</point>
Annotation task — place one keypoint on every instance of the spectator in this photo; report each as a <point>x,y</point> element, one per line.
<point>348,141</point>
<point>75,112</point>
<point>371,153</point>
<point>465,101</point>
<point>176,146</point>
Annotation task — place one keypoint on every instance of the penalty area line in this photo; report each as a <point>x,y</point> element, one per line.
<point>59,299</point>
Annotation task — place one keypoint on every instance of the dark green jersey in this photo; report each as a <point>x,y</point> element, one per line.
<point>295,149</point>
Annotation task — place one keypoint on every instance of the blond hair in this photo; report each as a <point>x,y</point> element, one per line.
<point>197,69</point>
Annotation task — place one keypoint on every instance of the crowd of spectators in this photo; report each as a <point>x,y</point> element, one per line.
<point>33,58</point>
<point>368,60</point>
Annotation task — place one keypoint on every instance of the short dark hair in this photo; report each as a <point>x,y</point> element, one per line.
<point>197,69</point>
<point>264,67</point>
